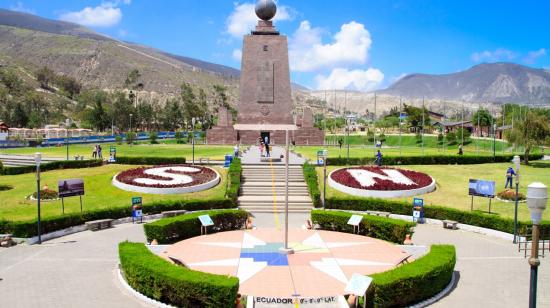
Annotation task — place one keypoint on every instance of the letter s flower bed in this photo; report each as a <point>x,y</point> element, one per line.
<point>157,278</point>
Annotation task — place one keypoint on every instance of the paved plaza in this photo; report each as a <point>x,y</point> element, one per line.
<point>79,270</point>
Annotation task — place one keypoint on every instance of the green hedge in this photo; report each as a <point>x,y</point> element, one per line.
<point>50,224</point>
<point>413,282</point>
<point>173,229</point>
<point>310,175</point>
<point>127,160</point>
<point>388,229</point>
<point>427,160</point>
<point>234,179</point>
<point>475,218</point>
<point>64,164</point>
<point>157,278</point>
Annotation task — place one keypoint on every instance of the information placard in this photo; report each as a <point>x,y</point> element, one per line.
<point>358,284</point>
<point>481,188</point>
<point>206,220</point>
<point>71,188</point>
<point>355,220</point>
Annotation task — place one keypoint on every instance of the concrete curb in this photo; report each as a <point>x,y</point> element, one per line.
<point>439,295</point>
<point>138,295</point>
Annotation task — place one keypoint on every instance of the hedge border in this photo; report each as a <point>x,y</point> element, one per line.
<point>27,228</point>
<point>312,181</point>
<point>136,160</point>
<point>414,282</point>
<point>174,229</point>
<point>234,179</point>
<point>157,278</point>
<point>55,165</point>
<point>427,160</point>
<point>387,229</point>
<point>475,218</point>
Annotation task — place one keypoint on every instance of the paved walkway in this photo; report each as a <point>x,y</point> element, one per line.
<point>79,270</point>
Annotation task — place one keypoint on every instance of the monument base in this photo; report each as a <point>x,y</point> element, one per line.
<point>221,135</point>
<point>309,136</point>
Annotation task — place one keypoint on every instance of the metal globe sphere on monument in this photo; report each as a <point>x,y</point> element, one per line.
<point>266,9</point>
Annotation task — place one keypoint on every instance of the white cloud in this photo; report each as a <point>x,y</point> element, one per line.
<point>237,55</point>
<point>104,15</point>
<point>243,19</point>
<point>19,7</point>
<point>532,56</point>
<point>344,79</point>
<point>498,54</point>
<point>350,47</point>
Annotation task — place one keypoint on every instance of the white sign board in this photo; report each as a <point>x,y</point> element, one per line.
<point>206,220</point>
<point>358,285</point>
<point>355,220</point>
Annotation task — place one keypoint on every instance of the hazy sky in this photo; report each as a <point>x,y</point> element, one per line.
<point>344,44</point>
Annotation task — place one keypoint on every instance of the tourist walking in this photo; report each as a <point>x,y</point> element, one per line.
<point>460,151</point>
<point>510,173</point>
<point>94,151</point>
<point>379,158</point>
<point>261,147</point>
<point>267,150</point>
<point>99,151</point>
<point>236,151</point>
<point>340,143</point>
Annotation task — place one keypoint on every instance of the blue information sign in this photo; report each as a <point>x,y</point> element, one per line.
<point>418,210</point>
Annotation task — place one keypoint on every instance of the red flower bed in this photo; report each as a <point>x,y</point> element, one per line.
<point>203,176</point>
<point>343,177</point>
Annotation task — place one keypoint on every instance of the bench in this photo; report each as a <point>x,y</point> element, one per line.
<point>207,159</point>
<point>173,213</point>
<point>450,224</point>
<point>99,224</point>
<point>378,213</point>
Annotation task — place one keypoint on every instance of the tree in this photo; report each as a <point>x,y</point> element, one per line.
<point>99,118</point>
<point>220,97</point>
<point>451,138</point>
<point>69,85</point>
<point>484,117</point>
<point>173,115</point>
<point>46,77</point>
<point>414,116</point>
<point>153,136</point>
<point>122,108</point>
<point>533,131</point>
<point>19,116</point>
<point>132,80</point>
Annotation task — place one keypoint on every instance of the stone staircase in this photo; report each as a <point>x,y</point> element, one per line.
<point>24,160</point>
<point>263,189</point>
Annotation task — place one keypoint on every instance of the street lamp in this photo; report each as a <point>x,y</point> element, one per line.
<point>38,159</point>
<point>67,143</point>
<point>516,160</point>
<point>131,141</point>
<point>494,141</point>
<point>537,195</point>
<point>193,120</point>
<point>347,137</point>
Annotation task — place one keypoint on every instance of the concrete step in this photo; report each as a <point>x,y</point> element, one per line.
<point>253,209</point>
<point>278,205</point>
<point>270,193</point>
<point>270,199</point>
<point>271,184</point>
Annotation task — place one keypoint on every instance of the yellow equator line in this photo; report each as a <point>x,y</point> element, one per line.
<point>274,190</point>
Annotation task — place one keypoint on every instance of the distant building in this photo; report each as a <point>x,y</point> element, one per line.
<point>4,131</point>
<point>437,117</point>
<point>450,126</point>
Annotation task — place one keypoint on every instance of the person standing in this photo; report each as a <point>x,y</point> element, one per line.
<point>379,158</point>
<point>94,151</point>
<point>267,150</point>
<point>261,147</point>
<point>510,173</point>
<point>99,151</point>
<point>460,151</point>
<point>236,150</point>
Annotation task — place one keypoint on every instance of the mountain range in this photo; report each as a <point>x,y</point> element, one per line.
<point>96,60</point>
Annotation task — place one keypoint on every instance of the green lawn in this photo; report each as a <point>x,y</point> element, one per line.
<point>141,149</point>
<point>452,186</point>
<point>100,193</point>
<point>360,147</point>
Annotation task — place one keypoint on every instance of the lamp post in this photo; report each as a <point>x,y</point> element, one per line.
<point>494,141</point>
<point>347,137</point>
<point>131,141</point>
<point>37,160</point>
<point>193,120</point>
<point>537,195</point>
<point>516,160</point>
<point>67,142</point>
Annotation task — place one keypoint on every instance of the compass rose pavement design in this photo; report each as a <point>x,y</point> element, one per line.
<point>322,264</point>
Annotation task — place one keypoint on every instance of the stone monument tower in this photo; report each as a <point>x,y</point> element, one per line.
<point>266,97</point>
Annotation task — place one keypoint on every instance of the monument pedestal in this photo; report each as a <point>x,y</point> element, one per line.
<point>221,135</point>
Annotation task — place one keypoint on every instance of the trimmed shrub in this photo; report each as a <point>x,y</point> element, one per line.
<point>474,218</point>
<point>130,160</point>
<point>428,160</point>
<point>234,179</point>
<point>310,175</point>
<point>153,136</point>
<point>64,164</point>
<point>173,229</point>
<point>415,281</point>
<point>27,228</point>
<point>387,229</point>
<point>157,278</point>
